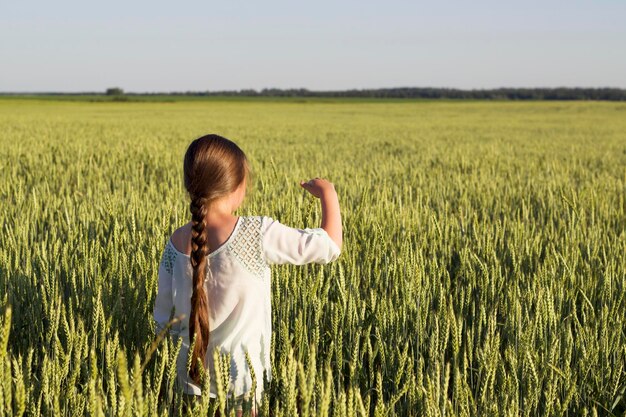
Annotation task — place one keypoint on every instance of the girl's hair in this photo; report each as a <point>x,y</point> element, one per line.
<point>213,168</point>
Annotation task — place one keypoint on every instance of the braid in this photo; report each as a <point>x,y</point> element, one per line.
<point>199,316</point>
<point>214,167</point>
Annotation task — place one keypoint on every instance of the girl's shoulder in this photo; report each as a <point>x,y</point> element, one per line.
<point>255,223</point>
<point>180,237</point>
<point>247,228</point>
<point>175,247</point>
<point>260,224</point>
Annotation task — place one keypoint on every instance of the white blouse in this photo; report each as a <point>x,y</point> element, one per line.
<point>238,287</point>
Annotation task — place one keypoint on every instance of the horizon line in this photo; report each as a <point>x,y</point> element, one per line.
<point>97,92</point>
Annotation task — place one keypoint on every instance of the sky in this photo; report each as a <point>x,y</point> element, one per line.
<point>161,46</point>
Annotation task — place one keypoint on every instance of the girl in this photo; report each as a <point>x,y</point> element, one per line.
<point>215,270</point>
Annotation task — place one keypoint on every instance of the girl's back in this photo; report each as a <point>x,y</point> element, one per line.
<point>238,288</point>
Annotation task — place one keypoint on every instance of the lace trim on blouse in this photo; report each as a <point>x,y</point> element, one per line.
<point>168,259</point>
<point>247,245</point>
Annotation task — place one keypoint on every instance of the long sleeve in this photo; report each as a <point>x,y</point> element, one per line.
<point>164,301</point>
<point>283,244</point>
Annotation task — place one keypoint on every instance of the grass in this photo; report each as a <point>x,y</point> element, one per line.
<point>483,270</point>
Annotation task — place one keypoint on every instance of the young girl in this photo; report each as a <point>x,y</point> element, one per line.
<point>215,270</point>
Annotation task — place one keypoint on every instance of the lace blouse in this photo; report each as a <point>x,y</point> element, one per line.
<point>238,287</point>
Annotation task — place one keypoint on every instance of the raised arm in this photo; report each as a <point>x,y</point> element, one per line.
<point>331,215</point>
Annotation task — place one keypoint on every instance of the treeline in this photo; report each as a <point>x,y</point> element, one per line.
<point>561,93</point>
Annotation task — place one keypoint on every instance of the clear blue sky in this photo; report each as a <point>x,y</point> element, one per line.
<point>320,45</point>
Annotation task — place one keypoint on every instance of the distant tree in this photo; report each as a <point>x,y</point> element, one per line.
<point>248,92</point>
<point>115,91</point>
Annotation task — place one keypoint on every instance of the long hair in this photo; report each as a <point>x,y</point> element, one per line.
<point>213,168</point>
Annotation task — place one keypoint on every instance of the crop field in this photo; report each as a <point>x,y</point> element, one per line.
<point>483,271</point>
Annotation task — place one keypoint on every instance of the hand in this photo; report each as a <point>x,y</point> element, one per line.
<point>318,186</point>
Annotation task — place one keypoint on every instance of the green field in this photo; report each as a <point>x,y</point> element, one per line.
<point>483,270</point>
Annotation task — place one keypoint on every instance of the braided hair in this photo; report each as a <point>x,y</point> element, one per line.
<point>213,168</point>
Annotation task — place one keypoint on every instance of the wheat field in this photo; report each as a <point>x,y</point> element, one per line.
<point>483,271</point>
